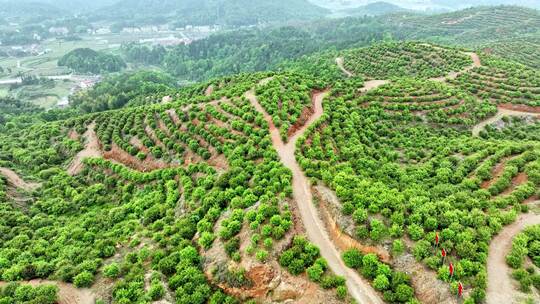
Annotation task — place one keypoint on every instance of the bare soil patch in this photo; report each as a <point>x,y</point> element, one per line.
<point>122,157</point>
<point>496,172</point>
<point>209,90</point>
<point>525,109</point>
<point>341,64</point>
<point>507,110</point>
<point>67,294</point>
<point>341,238</point>
<point>92,148</point>
<point>16,181</point>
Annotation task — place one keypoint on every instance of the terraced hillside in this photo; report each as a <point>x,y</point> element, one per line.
<point>473,26</point>
<point>524,51</point>
<point>396,59</point>
<point>329,181</point>
<point>503,82</point>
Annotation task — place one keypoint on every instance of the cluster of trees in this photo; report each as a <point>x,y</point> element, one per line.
<point>514,128</point>
<point>399,59</point>
<point>85,60</point>
<point>519,50</point>
<point>144,54</point>
<point>526,249</point>
<point>302,256</point>
<point>36,147</point>
<point>470,27</point>
<point>395,286</point>
<point>13,109</point>
<point>126,89</point>
<point>255,49</point>
<point>438,102</point>
<point>24,293</point>
<point>200,13</point>
<point>396,176</point>
<point>286,97</point>
<point>502,81</point>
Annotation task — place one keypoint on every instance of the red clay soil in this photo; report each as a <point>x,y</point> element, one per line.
<point>92,149</point>
<point>496,172</point>
<point>174,116</point>
<point>520,108</point>
<point>519,179</point>
<point>304,117</point>
<point>121,156</point>
<point>73,135</point>
<point>360,290</point>
<point>343,240</point>
<point>260,276</point>
<point>209,90</point>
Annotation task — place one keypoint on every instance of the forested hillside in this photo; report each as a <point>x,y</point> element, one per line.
<point>89,61</point>
<point>206,12</point>
<point>197,194</point>
<point>390,159</point>
<point>263,49</point>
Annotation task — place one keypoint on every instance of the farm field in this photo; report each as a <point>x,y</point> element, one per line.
<point>389,171</point>
<point>213,177</point>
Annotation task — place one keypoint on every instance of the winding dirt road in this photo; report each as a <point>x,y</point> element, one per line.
<point>91,149</point>
<point>360,289</point>
<point>501,112</point>
<point>341,64</point>
<point>500,289</point>
<point>14,179</point>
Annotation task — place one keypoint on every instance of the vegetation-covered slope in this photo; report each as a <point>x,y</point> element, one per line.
<point>90,61</point>
<point>196,12</point>
<point>523,50</point>
<point>191,195</point>
<point>387,60</point>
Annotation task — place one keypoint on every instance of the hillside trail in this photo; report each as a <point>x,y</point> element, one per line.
<point>14,179</point>
<point>501,112</point>
<point>91,149</point>
<point>67,293</point>
<point>500,286</point>
<point>360,289</point>
<point>341,64</point>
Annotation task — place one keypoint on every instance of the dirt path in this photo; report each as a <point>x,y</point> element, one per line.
<point>500,289</point>
<point>67,293</point>
<point>500,114</point>
<point>341,64</point>
<point>360,289</point>
<point>453,75</point>
<point>91,149</point>
<point>14,179</point>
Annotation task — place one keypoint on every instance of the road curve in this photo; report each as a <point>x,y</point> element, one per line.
<point>359,288</point>
<point>341,64</point>
<point>14,179</point>
<point>501,112</point>
<point>500,286</point>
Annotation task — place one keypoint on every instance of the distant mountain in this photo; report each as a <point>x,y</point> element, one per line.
<point>210,12</point>
<point>425,5</point>
<point>21,11</point>
<point>31,7</point>
<point>459,4</point>
<point>376,9</point>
